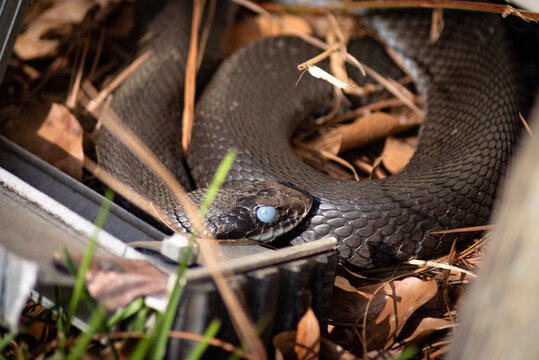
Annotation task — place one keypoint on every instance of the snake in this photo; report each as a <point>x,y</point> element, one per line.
<point>505,285</point>
<point>252,101</point>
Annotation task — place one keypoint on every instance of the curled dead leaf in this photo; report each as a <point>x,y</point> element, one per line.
<point>283,344</point>
<point>424,327</point>
<point>307,345</point>
<point>383,308</point>
<point>397,153</point>
<point>330,350</point>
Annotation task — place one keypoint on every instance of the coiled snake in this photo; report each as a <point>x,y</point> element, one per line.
<point>469,83</point>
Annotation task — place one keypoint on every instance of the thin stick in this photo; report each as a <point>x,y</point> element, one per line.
<point>242,323</point>
<point>120,335</point>
<point>190,76</point>
<point>463,230</point>
<point>526,126</point>
<point>118,128</point>
<point>349,58</point>
<point>319,57</point>
<point>98,100</point>
<point>72,96</point>
<point>504,10</point>
<point>120,188</point>
<point>439,265</point>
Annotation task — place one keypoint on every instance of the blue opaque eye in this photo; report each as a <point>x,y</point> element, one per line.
<point>266,213</point>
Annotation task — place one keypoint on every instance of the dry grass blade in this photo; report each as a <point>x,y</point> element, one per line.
<point>122,335</point>
<point>504,10</point>
<point>438,265</point>
<point>241,321</point>
<point>395,88</point>
<point>437,24</point>
<point>206,32</point>
<point>370,107</point>
<point>390,86</point>
<point>461,230</point>
<point>310,39</point>
<point>118,186</point>
<point>526,126</point>
<point>98,100</point>
<point>72,95</point>
<point>117,127</point>
<point>190,75</point>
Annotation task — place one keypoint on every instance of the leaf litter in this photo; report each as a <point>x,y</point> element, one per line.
<point>375,314</point>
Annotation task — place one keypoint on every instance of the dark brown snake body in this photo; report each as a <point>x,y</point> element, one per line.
<point>469,83</point>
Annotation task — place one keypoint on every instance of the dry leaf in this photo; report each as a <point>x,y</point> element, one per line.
<point>385,308</point>
<point>30,43</point>
<point>330,350</point>
<point>254,27</point>
<point>307,344</point>
<point>48,131</point>
<point>62,129</point>
<point>425,327</point>
<point>365,130</point>
<point>397,153</point>
<point>283,344</point>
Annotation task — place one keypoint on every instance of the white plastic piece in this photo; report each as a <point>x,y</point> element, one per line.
<point>175,247</point>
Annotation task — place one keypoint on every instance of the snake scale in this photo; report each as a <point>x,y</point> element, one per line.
<point>472,94</point>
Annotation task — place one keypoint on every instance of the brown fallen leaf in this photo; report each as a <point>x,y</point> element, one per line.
<point>397,153</point>
<point>307,345</point>
<point>49,131</point>
<point>424,327</point>
<point>255,27</point>
<point>331,350</point>
<point>62,129</point>
<point>365,130</point>
<point>284,343</point>
<point>31,44</point>
<point>383,308</point>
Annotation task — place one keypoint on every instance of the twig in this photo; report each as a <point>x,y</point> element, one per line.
<point>462,230</point>
<point>240,320</point>
<point>98,100</point>
<point>526,126</point>
<point>504,10</point>
<point>434,264</point>
<point>120,335</point>
<point>72,96</point>
<point>190,75</point>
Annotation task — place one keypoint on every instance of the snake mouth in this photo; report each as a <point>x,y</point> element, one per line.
<point>273,233</point>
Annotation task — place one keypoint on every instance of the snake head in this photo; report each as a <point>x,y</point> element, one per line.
<point>261,211</point>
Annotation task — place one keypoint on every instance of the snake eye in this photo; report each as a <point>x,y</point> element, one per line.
<point>266,213</point>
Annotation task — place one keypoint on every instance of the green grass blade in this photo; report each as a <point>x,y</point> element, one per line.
<point>407,353</point>
<point>4,341</point>
<point>95,323</point>
<point>88,254</point>
<point>126,312</point>
<point>211,331</point>
<point>140,318</point>
<point>217,181</point>
<point>159,337</point>
<point>167,319</point>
